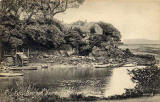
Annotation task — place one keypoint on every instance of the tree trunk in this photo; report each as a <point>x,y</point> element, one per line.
<point>0,46</point>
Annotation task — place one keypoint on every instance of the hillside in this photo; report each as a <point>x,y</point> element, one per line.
<point>141,41</point>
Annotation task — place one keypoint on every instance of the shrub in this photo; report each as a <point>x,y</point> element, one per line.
<point>109,29</point>
<point>147,79</point>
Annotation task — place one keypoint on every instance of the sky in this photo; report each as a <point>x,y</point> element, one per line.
<point>135,19</point>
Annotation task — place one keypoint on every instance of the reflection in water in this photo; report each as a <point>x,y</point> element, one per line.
<point>9,82</point>
<point>65,81</point>
<point>119,81</point>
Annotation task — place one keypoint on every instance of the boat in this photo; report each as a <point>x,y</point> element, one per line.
<point>64,66</point>
<point>24,68</point>
<point>44,66</point>
<point>140,67</point>
<point>102,65</point>
<point>129,65</point>
<point>10,74</point>
<point>108,65</point>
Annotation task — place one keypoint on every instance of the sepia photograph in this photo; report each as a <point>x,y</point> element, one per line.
<point>79,50</point>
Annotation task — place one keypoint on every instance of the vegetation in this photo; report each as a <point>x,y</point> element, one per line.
<point>142,59</point>
<point>147,79</point>
<point>29,93</point>
<point>31,24</point>
<point>47,33</point>
<point>32,8</point>
<point>147,83</point>
<point>16,16</point>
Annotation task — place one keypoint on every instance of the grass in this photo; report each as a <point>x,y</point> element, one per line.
<point>28,93</point>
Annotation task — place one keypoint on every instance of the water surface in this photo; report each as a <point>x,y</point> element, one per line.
<point>101,82</point>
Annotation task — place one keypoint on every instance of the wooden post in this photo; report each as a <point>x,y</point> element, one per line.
<point>16,50</point>
<point>28,53</point>
<point>4,52</point>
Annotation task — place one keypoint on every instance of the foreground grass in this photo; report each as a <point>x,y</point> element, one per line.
<point>28,93</point>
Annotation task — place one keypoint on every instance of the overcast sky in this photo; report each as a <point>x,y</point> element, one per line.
<point>136,19</point>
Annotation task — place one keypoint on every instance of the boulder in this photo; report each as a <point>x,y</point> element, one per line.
<point>96,29</point>
<point>9,61</point>
<point>91,27</point>
<point>98,52</point>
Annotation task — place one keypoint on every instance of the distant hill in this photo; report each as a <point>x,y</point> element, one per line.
<point>141,41</point>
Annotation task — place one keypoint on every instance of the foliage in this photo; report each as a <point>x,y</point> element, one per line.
<point>41,33</point>
<point>51,34</point>
<point>147,80</point>
<point>73,38</point>
<point>110,30</point>
<point>49,37</point>
<point>110,36</point>
<point>28,93</point>
<point>143,59</point>
<point>147,83</point>
<point>34,7</point>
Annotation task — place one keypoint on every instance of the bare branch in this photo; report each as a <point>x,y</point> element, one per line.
<point>63,9</point>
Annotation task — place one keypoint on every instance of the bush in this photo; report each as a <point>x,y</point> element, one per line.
<point>147,79</point>
<point>110,30</point>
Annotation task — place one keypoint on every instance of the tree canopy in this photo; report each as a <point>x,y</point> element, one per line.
<point>46,8</point>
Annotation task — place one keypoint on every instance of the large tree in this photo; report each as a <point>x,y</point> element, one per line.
<point>47,8</point>
<point>12,10</point>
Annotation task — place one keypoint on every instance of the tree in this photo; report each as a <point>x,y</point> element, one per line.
<point>47,8</point>
<point>0,45</point>
<point>109,31</point>
<point>12,10</point>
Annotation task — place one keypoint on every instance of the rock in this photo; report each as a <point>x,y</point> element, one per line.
<point>98,52</point>
<point>9,61</point>
<point>128,53</point>
<point>68,48</point>
<point>96,29</point>
<point>87,27</point>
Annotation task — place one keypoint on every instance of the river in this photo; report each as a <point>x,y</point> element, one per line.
<point>100,82</point>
